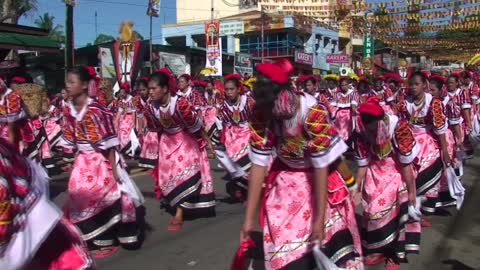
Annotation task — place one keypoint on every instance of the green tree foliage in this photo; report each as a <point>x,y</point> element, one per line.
<point>12,10</point>
<point>46,21</point>
<point>103,38</point>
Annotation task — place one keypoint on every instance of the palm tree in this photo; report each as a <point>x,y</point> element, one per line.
<point>55,31</point>
<point>103,38</point>
<point>12,10</point>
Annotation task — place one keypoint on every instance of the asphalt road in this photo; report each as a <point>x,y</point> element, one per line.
<point>452,243</point>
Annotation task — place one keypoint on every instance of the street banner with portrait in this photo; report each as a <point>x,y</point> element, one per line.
<point>213,47</point>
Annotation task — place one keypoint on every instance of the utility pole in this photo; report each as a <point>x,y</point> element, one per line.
<point>96,24</point>
<point>263,33</point>
<point>69,47</point>
<point>151,44</point>
<point>211,13</point>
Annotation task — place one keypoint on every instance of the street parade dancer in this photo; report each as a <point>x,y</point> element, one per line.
<point>149,127</point>
<point>384,151</point>
<point>182,177</point>
<point>102,198</point>
<point>345,102</point>
<point>233,135</point>
<point>34,235</point>
<point>305,198</point>
<point>126,122</point>
<point>453,135</point>
<point>425,114</point>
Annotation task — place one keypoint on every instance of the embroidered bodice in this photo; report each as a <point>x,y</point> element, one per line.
<point>91,128</point>
<point>12,107</point>
<point>401,145</point>
<point>307,139</point>
<point>425,116</point>
<point>177,115</point>
<point>237,114</point>
<point>126,105</point>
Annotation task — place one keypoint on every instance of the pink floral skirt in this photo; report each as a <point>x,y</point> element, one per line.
<point>54,132</point>
<point>183,175</point>
<point>386,226</point>
<point>64,249</point>
<point>95,203</point>
<point>236,141</point>
<point>125,127</point>
<point>289,212</point>
<point>343,123</point>
<point>428,164</point>
<point>149,153</point>
<point>209,115</point>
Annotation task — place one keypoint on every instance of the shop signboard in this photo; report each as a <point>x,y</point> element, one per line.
<point>303,58</point>
<point>337,58</point>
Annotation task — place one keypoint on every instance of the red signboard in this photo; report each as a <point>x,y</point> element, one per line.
<point>337,59</point>
<point>304,58</point>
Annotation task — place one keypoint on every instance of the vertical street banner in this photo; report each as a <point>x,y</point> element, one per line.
<point>243,64</point>
<point>214,47</point>
<point>153,8</point>
<point>368,46</point>
<point>107,66</point>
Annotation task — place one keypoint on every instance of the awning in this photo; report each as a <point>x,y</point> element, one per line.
<point>14,41</point>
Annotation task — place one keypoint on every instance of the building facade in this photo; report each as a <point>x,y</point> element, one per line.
<point>194,10</point>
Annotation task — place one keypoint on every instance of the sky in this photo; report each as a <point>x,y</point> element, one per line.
<point>110,13</point>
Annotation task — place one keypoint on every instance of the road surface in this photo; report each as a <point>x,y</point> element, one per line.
<point>453,242</point>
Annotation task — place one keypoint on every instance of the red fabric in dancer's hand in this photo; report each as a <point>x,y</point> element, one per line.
<point>240,260</point>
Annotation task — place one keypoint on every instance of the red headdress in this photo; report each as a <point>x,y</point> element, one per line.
<point>394,77</point>
<point>144,79</point>
<point>277,72</point>
<point>371,108</point>
<point>438,77</point>
<point>125,86</point>
<point>302,79</point>
<point>455,75</point>
<point>232,76</point>
<point>186,77</point>
<point>19,80</point>
<point>200,83</point>
<point>94,82</point>
<point>363,80</point>
<point>380,78</point>
<point>172,81</point>
<point>344,78</point>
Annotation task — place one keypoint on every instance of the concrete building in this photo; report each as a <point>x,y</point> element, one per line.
<point>298,38</point>
<point>200,10</point>
<point>323,10</point>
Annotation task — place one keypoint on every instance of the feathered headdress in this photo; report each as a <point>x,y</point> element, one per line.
<point>331,77</point>
<point>353,76</point>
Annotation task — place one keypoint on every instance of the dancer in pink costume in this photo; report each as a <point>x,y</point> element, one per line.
<point>384,150</point>
<point>102,198</point>
<point>183,177</point>
<point>345,103</point>
<point>151,128</point>
<point>126,122</point>
<point>233,135</point>
<point>305,198</point>
<point>33,234</point>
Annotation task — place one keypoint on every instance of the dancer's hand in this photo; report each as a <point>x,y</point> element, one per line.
<point>412,199</point>
<point>246,230</point>
<point>318,230</point>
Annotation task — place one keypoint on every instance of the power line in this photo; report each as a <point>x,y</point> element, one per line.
<point>146,6</point>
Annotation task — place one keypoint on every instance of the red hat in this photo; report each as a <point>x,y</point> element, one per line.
<point>200,83</point>
<point>125,86</point>
<point>438,77</point>
<point>165,71</point>
<point>302,79</point>
<point>234,77</point>
<point>286,66</point>
<point>273,72</point>
<point>371,108</point>
<point>172,81</point>
<point>144,79</point>
<point>344,78</point>
<point>380,78</point>
<point>393,76</point>
<point>19,80</point>
<point>363,80</point>
<point>186,77</point>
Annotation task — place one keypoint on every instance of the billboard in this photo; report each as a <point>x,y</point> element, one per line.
<point>337,59</point>
<point>243,64</point>
<point>303,58</point>
<point>107,66</point>
<point>271,22</point>
<point>177,63</point>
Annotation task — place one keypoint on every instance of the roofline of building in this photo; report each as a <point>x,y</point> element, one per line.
<point>22,29</point>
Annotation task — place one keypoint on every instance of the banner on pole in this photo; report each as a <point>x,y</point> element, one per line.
<point>243,64</point>
<point>213,47</point>
<point>153,8</point>
<point>368,46</point>
<point>107,66</point>
<point>70,2</point>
